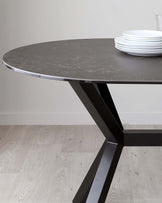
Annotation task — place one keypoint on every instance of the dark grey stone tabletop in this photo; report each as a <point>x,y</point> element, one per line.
<point>91,60</point>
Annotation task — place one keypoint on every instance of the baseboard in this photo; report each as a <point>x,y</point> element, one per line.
<point>141,118</point>
<point>149,118</point>
<point>45,119</point>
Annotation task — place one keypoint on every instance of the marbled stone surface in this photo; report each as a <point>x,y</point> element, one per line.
<point>94,60</point>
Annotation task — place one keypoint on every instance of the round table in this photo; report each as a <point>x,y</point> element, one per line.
<point>89,65</point>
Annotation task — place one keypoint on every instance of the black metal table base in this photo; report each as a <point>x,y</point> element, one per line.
<point>98,101</point>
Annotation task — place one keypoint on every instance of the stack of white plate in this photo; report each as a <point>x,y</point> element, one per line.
<point>140,42</point>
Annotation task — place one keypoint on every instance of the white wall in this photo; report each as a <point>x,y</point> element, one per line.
<point>29,100</point>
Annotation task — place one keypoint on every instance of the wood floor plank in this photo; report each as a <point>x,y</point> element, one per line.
<point>46,164</point>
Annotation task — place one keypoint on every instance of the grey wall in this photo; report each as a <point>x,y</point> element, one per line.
<point>28,100</point>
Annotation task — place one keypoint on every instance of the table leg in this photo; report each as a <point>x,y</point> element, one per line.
<point>96,184</point>
<point>97,99</point>
<point>100,108</point>
<point>105,173</point>
<point>83,191</point>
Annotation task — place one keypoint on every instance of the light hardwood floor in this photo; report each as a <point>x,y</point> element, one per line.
<point>46,164</point>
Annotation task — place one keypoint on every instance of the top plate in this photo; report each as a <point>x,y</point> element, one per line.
<point>144,35</point>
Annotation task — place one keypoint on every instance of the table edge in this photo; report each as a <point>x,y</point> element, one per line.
<point>59,78</point>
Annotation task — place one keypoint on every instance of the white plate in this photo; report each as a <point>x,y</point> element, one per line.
<point>139,52</point>
<point>138,47</point>
<point>145,35</point>
<point>121,40</point>
<point>145,55</point>
<point>142,40</point>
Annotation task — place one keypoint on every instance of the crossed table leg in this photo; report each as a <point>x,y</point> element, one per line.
<point>98,101</point>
